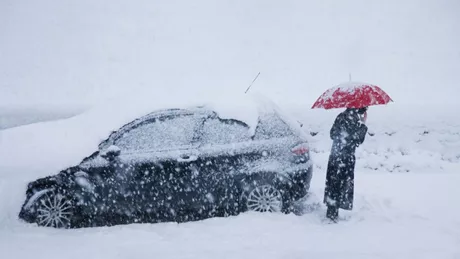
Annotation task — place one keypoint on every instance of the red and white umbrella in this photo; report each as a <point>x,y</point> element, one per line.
<point>352,95</point>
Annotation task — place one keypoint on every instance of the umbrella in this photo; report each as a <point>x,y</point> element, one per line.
<point>352,95</point>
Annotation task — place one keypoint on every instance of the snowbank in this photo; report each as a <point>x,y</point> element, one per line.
<point>401,138</point>
<point>13,117</point>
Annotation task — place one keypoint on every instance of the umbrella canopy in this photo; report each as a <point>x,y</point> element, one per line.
<point>352,95</point>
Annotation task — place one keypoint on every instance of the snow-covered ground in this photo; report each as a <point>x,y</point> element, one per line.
<point>389,221</point>
<point>406,201</point>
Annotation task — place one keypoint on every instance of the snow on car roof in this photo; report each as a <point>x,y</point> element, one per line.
<point>47,147</point>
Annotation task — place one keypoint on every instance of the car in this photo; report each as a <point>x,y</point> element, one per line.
<point>177,165</point>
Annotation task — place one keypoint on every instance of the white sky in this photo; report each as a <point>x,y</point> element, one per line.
<point>80,52</point>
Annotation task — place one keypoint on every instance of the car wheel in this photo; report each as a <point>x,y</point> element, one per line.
<point>54,209</point>
<point>262,198</point>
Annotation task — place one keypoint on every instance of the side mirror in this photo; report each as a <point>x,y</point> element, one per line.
<point>111,153</point>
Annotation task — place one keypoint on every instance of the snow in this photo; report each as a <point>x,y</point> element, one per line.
<point>397,214</point>
<point>245,109</point>
<point>85,183</point>
<point>12,117</point>
<point>113,149</point>
<point>328,95</point>
<point>35,196</point>
<point>349,87</point>
<point>112,63</point>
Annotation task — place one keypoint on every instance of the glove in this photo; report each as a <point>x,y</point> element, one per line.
<point>364,118</point>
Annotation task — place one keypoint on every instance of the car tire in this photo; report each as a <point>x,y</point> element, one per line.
<point>55,209</point>
<point>262,194</point>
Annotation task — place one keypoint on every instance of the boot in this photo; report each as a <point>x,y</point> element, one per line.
<point>332,213</point>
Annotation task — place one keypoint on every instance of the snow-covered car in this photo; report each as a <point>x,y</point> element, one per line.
<point>177,165</point>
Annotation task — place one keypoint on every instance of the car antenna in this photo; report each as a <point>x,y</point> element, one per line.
<point>257,76</point>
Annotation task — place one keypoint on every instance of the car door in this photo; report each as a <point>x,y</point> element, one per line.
<point>157,155</point>
<point>225,145</point>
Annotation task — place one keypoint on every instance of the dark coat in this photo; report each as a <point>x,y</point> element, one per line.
<point>347,133</point>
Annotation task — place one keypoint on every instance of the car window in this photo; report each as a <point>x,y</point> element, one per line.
<point>162,133</point>
<point>219,131</point>
<point>271,126</point>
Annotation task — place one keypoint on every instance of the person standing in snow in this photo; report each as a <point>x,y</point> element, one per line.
<point>347,133</point>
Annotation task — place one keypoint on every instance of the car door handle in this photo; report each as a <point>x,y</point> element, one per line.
<point>187,158</point>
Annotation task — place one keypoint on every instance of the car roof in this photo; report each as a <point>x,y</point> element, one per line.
<point>207,111</point>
